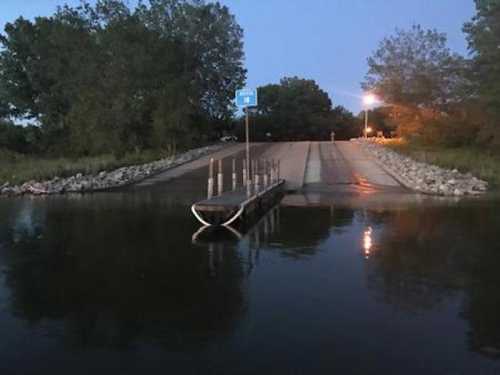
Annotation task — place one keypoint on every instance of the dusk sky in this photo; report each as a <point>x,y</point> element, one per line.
<point>325,40</point>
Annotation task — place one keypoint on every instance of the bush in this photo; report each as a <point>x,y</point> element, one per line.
<point>449,131</point>
<point>17,138</point>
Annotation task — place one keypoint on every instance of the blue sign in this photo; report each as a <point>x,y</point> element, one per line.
<point>246,98</point>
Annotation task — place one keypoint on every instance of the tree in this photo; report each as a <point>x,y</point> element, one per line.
<point>483,34</point>
<point>297,109</point>
<point>211,34</point>
<point>416,68</point>
<point>106,78</point>
<point>416,74</point>
<point>21,139</point>
<point>380,119</point>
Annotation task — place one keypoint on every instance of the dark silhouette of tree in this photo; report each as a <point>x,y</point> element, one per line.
<point>298,109</point>
<point>483,34</point>
<point>426,86</point>
<point>106,78</point>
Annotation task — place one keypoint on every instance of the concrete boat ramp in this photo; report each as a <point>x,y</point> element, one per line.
<point>309,167</point>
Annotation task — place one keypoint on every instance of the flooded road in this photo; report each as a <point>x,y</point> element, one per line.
<point>114,283</point>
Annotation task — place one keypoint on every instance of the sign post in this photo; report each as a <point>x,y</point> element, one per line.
<point>244,99</point>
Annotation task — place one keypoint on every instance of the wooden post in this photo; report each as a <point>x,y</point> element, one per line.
<point>210,192</point>
<point>220,179</point>
<point>234,174</point>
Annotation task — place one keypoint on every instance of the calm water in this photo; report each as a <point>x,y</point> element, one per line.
<point>114,283</point>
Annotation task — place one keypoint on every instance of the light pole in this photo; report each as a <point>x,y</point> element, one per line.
<point>368,100</point>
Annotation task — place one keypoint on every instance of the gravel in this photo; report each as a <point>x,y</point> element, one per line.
<point>422,177</point>
<point>103,180</point>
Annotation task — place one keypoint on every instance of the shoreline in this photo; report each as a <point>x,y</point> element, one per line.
<point>106,180</point>
<point>423,177</point>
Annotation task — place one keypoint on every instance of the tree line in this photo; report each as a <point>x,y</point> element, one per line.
<point>297,109</point>
<point>435,96</point>
<point>106,78</point>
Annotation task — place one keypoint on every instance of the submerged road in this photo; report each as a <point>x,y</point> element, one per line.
<point>315,167</point>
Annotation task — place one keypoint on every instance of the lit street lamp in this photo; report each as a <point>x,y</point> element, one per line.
<point>368,101</point>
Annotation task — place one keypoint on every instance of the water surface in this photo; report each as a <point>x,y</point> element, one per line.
<point>114,283</point>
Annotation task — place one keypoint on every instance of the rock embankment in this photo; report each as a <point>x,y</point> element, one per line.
<point>106,179</point>
<point>422,177</point>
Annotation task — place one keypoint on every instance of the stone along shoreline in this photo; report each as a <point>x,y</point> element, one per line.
<point>422,177</point>
<point>104,180</point>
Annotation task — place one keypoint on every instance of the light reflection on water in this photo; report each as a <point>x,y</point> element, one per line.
<point>367,242</point>
<point>119,281</point>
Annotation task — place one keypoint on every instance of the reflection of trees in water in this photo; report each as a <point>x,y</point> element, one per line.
<point>115,273</point>
<point>410,263</point>
<point>482,300</point>
<point>304,229</point>
<point>423,256</point>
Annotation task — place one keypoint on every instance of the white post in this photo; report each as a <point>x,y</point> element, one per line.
<point>266,175</point>
<point>256,178</point>
<point>220,179</point>
<point>234,174</point>
<point>210,192</point>
<point>244,172</point>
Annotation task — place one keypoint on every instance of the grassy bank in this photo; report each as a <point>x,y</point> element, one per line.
<point>17,168</point>
<point>481,163</point>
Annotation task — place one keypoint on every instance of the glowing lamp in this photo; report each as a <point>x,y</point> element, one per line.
<point>369,99</point>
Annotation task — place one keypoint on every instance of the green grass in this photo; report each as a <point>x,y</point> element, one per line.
<point>480,162</point>
<point>17,168</point>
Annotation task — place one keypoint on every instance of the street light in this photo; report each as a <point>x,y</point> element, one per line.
<point>368,100</point>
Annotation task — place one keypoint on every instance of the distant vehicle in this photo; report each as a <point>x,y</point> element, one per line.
<point>229,138</point>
